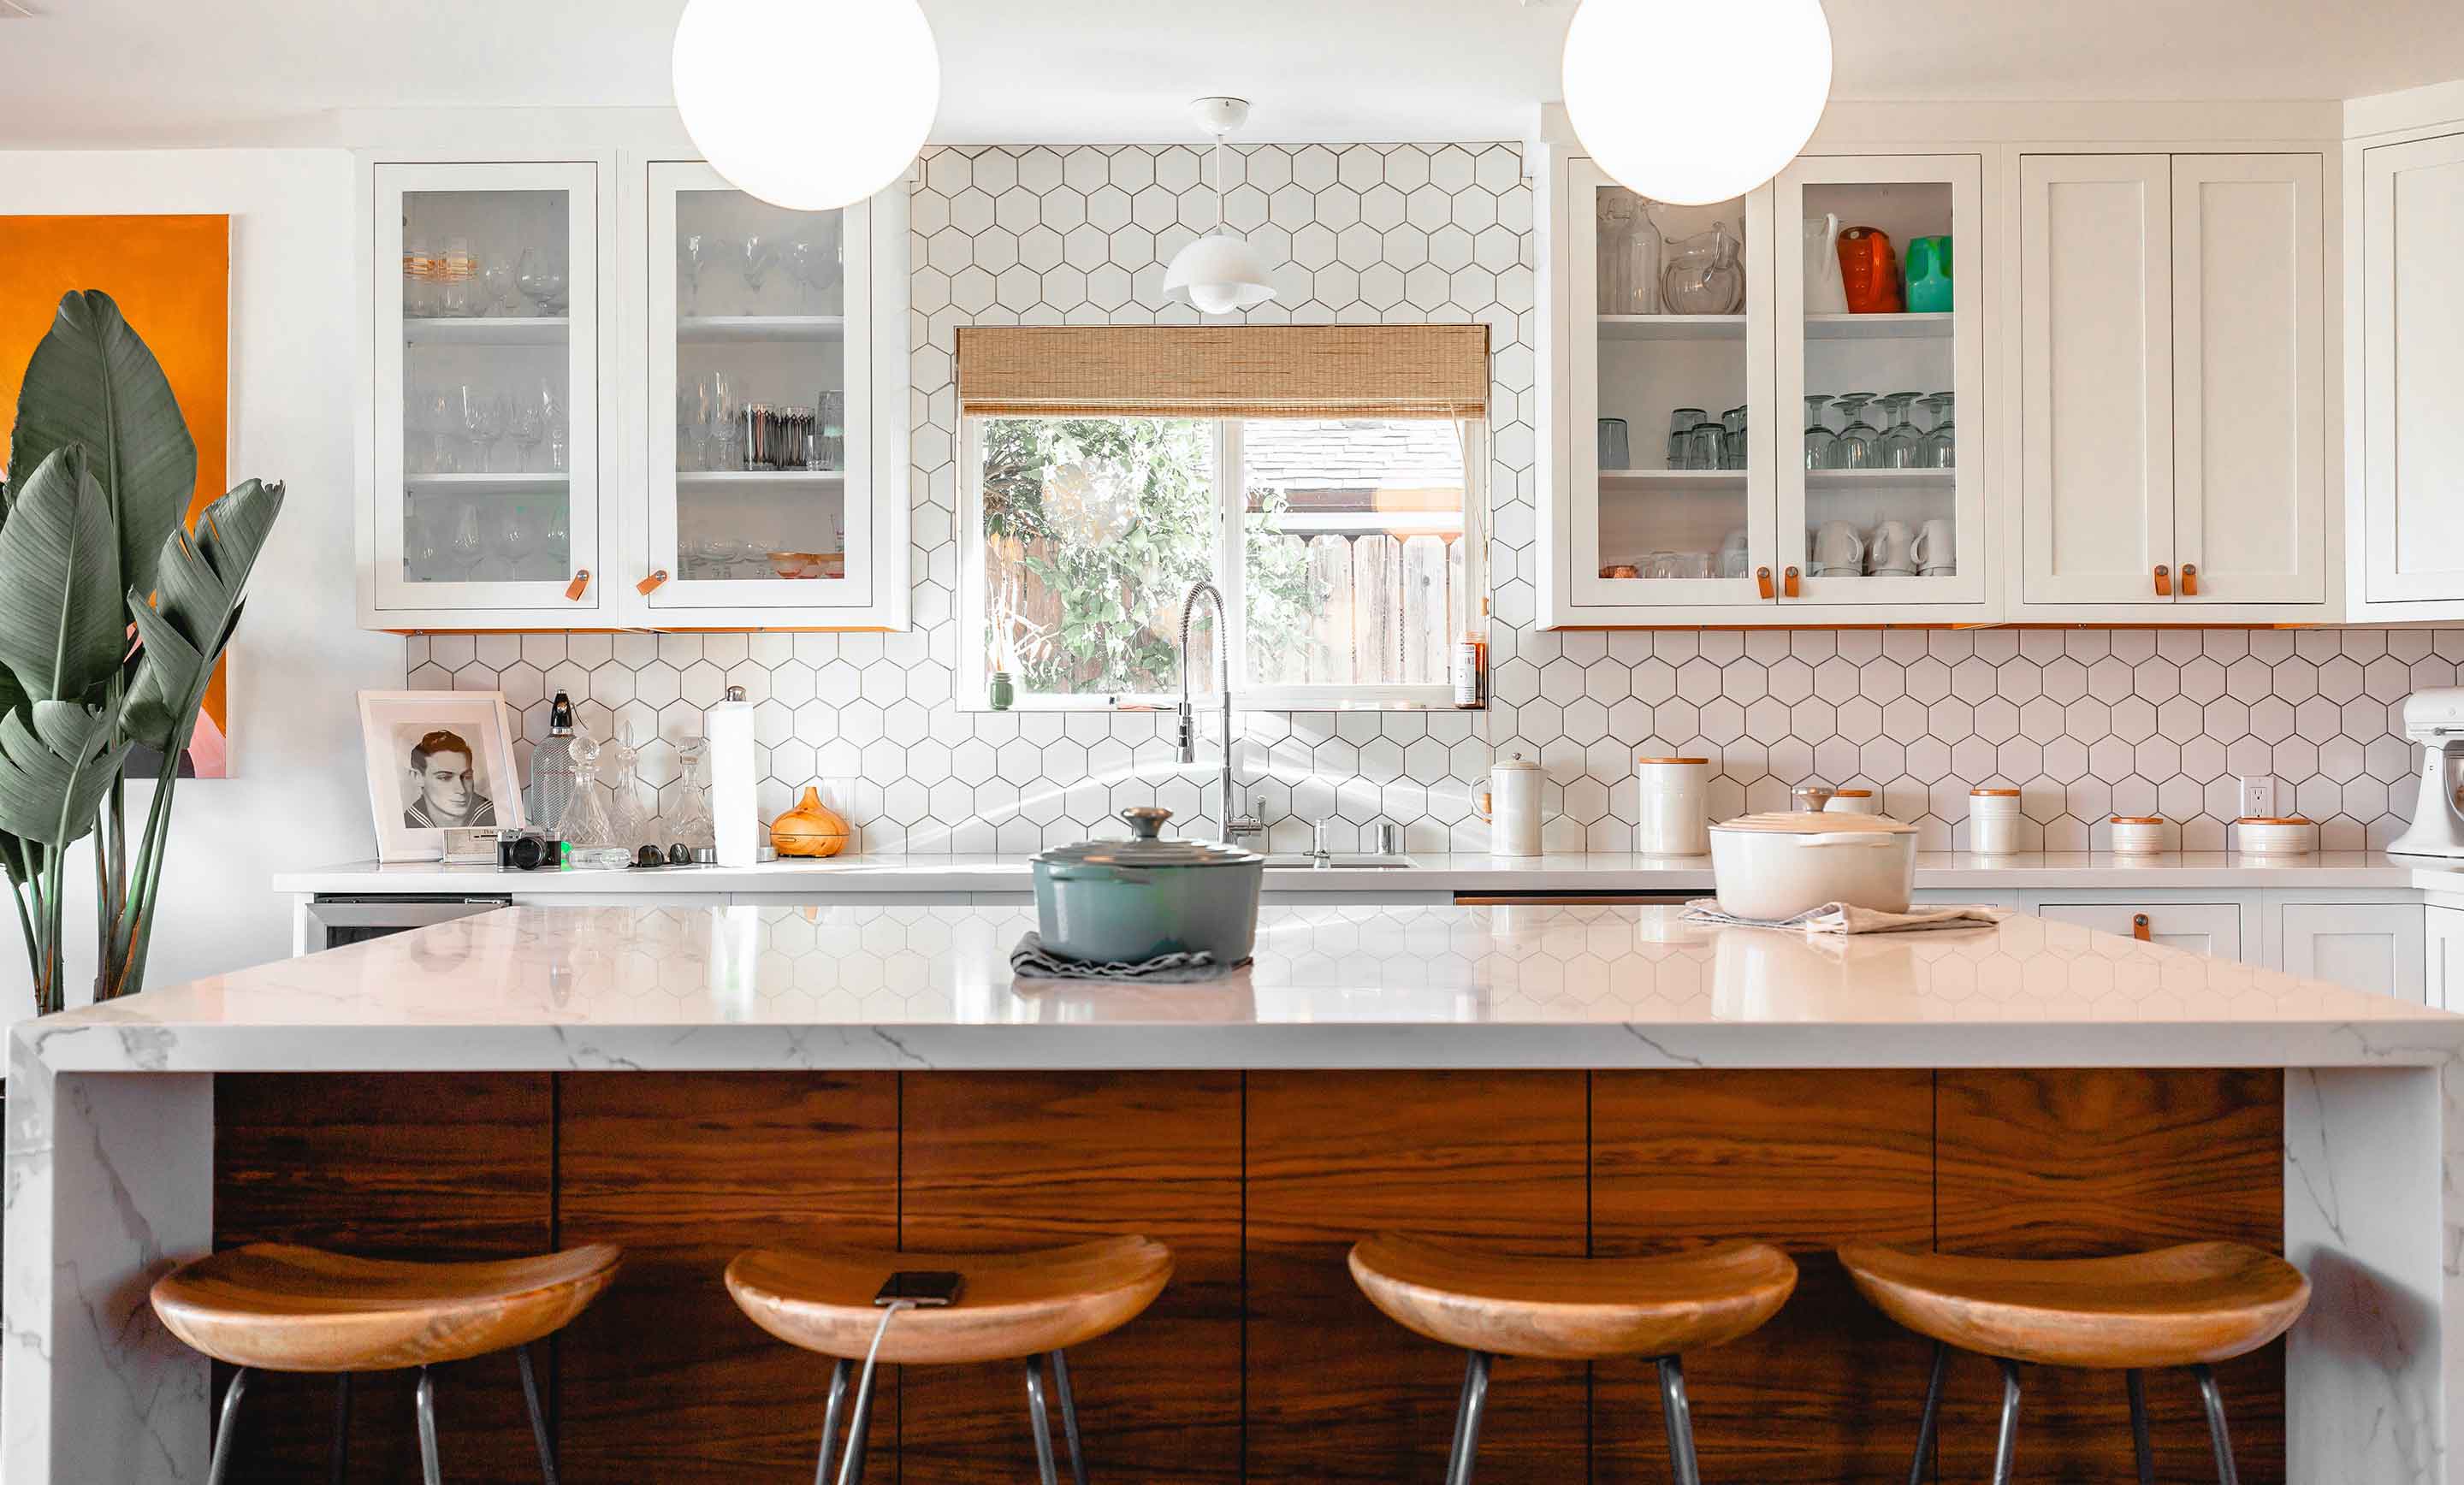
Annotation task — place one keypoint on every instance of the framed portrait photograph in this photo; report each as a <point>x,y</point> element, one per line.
<point>437,760</point>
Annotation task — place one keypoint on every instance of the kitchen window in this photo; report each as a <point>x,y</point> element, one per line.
<point>1339,504</point>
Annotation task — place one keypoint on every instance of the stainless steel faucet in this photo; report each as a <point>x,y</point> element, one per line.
<point>1235,825</point>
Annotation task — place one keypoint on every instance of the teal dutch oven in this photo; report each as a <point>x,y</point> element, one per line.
<point>1125,902</point>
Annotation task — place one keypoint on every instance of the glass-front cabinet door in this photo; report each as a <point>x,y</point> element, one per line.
<point>485,290</point>
<point>762,440</point>
<point>1881,364</point>
<point>1668,309</point>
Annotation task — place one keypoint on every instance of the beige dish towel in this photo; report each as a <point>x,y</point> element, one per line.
<point>1845,918</point>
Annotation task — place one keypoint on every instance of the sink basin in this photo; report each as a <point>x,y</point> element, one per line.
<point>1339,862</point>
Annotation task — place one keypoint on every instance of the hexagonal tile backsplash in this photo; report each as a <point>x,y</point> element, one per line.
<point>2085,723</point>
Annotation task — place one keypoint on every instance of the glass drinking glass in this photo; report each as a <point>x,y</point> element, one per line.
<point>1900,445</point>
<point>1732,445</point>
<point>542,282</point>
<point>1705,445</point>
<point>1681,422</point>
<point>423,545</point>
<point>465,542</point>
<point>1818,437</point>
<point>496,285</point>
<point>486,415</point>
<point>694,256</point>
<point>516,538</point>
<point>557,538</point>
<point>812,260</point>
<point>754,256</point>
<point>459,290</point>
<point>1854,448</point>
<point>1940,449</point>
<point>418,280</point>
<point>726,413</point>
<point>525,427</point>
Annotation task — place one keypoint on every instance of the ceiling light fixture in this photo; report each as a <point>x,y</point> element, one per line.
<point>797,138</point>
<point>1220,272</point>
<point>1706,120</point>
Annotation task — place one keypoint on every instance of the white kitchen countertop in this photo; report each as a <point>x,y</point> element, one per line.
<point>1430,872</point>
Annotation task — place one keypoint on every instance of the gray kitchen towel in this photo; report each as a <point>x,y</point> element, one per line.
<point>1845,918</point>
<point>1031,960</point>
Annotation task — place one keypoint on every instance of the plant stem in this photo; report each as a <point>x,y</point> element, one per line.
<point>52,988</point>
<point>137,915</point>
<point>25,923</point>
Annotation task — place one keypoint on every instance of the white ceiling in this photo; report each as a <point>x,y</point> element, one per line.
<point>183,71</point>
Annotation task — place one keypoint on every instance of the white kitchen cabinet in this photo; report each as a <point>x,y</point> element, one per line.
<point>2410,519</point>
<point>483,455</point>
<point>2200,928</point>
<point>1637,533</point>
<point>2172,434</point>
<point>2442,967</point>
<point>2376,946</point>
<point>774,446</point>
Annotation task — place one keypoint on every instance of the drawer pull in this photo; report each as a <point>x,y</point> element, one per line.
<point>2139,927</point>
<point>2189,579</point>
<point>573,590</point>
<point>647,584</point>
<point>2164,581</point>
<point>1762,580</point>
<point>1788,584</point>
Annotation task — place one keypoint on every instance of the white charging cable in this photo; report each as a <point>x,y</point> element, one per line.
<point>864,1388</point>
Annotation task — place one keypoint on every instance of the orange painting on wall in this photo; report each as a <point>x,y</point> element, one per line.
<point>171,277</point>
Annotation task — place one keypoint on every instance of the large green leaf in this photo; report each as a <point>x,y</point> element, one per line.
<point>63,628</point>
<point>200,580</point>
<point>92,381</point>
<point>54,773</point>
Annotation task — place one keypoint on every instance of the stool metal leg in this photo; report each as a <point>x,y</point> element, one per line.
<point>2006,1449</point>
<point>1467,1412</point>
<point>1932,1410</point>
<point>2136,1382</point>
<point>1040,1421</point>
<point>1680,1419</point>
<point>830,1419</point>
<point>538,1417</point>
<point>226,1434</point>
<point>2209,1393</point>
<point>1068,1416</point>
<point>425,1399</point>
<point>339,1463</point>
<point>859,1432</point>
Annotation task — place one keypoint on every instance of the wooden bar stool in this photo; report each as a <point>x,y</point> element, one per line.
<point>1029,1305</point>
<point>1572,1309</point>
<point>2191,1306</point>
<point>272,1307</point>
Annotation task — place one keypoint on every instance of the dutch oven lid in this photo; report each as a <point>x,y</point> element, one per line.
<point>1815,822</point>
<point>1146,847</point>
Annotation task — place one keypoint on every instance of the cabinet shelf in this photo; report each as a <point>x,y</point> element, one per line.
<point>731,329</point>
<point>503,330</point>
<point>756,479</point>
<point>1859,479</point>
<point>1672,479</point>
<point>1935,326</point>
<point>504,484</point>
<point>1672,327</point>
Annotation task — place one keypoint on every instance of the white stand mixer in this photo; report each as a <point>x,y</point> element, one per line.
<point>2435,720</point>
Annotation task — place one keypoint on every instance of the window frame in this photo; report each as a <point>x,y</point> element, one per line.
<point>1231,499</point>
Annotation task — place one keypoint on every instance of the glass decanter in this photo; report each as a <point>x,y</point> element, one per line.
<point>629,824</point>
<point>585,823</point>
<point>692,825</point>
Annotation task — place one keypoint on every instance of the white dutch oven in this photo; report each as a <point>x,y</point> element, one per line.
<point>1778,865</point>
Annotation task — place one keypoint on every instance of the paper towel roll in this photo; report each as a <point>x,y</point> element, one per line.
<point>735,813</point>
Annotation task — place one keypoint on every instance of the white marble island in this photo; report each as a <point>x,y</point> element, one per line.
<point>111,1114</point>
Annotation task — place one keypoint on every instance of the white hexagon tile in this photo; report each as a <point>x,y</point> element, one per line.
<point>2085,723</point>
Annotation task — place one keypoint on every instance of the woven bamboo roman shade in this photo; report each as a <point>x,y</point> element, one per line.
<point>1224,371</point>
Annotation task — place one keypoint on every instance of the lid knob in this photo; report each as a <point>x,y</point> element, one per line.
<point>1146,821</point>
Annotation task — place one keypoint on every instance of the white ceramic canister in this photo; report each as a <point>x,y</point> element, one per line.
<point>2137,835</point>
<point>1511,806</point>
<point>1672,813</point>
<point>2276,834</point>
<point>1993,822</point>
<point>1852,801</point>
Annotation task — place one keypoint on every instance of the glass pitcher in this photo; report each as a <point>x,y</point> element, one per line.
<point>1704,273</point>
<point>1615,262</point>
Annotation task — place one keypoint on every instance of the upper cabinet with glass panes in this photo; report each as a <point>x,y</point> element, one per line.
<point>486,351</point>
<point>1762,425</point>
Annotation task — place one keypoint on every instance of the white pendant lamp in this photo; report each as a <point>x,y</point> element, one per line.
<point>1220,272</point>
<point>1702,121</point>
<point>796,135</point>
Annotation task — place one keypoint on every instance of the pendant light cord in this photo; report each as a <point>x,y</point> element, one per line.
<point>1219,183</point>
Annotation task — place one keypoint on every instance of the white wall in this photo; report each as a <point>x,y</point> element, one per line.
<point>296,794</point>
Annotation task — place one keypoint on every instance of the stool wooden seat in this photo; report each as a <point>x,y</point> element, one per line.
<point>276,1307</point>
<point>1025,1304</point>
<point>2191,1305</point>
<point>1572,1309</point>
<point>1494,1304</point>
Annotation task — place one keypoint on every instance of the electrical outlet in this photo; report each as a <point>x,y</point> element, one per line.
<point>2258,795</point>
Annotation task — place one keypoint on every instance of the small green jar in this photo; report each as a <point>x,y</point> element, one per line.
<point>1000,692</point>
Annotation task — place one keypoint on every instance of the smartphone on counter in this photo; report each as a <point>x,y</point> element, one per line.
<point>927,1288</point>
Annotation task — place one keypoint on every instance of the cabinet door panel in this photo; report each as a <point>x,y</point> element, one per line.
<point>2096,382</point>
<point>2375,947</point>
<point>2248,502</point>
<point>2201,927</point>
<point>2442,970</point>
<point>2413,372</point>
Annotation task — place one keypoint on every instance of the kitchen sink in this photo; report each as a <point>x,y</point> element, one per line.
<point>1339,862</point>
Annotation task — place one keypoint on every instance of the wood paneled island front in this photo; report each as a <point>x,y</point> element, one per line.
<point>1597,1081</point>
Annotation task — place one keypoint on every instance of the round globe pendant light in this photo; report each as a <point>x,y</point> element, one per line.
<point>794,133</point>
<point>1220,272</point>
<point>1698,108</point>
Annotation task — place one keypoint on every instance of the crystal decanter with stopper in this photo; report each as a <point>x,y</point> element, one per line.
<point>692,827</point>
<point>583,824</point>
<point>629,824</point>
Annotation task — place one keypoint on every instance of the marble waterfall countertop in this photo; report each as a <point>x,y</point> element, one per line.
<point>1333,985</point>
<point>1429,871</point>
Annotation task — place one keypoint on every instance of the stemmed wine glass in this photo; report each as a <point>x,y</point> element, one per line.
<point>518,539</point>
<point>542,282</point>
<point>496,285</point>
<point>1940,447</point>
<point>1900,445</point>
<point>812,260</point>
<point>464,541</point>
<point>1854,448</point>
<point>698,251</point>
<point>526,427</point>
<point>1818,437</point>
<point>754,257</point>
<point>483,416</point>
